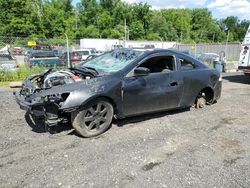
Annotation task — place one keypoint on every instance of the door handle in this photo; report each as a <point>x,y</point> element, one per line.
<point>174,84</point>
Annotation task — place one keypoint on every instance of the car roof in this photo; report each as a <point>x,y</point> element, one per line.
<point>174,52</point>
<point>159,50</point>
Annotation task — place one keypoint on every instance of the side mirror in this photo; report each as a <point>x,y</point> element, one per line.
<point>141,71</point>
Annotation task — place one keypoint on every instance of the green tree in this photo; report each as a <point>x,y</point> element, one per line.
<point>136,31</point>
<point>178,23</point>
<point>142,14</point>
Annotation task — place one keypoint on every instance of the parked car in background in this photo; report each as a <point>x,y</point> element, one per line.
<point>45,58</point>
<point>58,53</point>
<point>211,59</point>
<point>120,83</point>
<point>208,58</point>
<point>84,53</point>
<point>78,56</point>
<point>8,63</point>
<point>74,57</point>
<point>16,51</point>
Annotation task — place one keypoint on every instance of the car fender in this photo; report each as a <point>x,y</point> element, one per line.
<point>109,89</point>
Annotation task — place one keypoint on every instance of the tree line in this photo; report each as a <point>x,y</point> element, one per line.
<point>106,19</point>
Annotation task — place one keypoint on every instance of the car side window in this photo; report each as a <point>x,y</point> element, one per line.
<point>186,65</point>
<point>159,64</point>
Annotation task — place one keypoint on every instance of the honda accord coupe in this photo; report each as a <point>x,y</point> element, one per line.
<point>118,84</point>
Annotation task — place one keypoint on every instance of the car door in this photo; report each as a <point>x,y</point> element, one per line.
<point>159,90</point>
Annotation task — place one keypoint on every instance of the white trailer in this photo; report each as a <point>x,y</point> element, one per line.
<point>100,44</point>
<point>244,62</point>
<point>145,44</point>
<point>110,44</point>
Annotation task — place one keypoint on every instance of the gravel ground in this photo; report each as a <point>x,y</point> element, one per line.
<point>185,148</point>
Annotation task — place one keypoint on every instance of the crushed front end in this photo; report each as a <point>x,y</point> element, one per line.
<point>42,95</point>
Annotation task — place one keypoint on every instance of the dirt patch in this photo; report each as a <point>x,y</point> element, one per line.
<point>231,145</point>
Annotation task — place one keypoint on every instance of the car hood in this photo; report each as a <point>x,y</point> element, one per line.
<point>93,85</point>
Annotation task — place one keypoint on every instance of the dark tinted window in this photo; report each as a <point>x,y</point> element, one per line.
<point>159,64</point>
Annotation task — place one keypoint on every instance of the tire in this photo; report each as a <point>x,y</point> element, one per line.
<point>93,120</point>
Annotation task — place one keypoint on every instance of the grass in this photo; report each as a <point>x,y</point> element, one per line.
<point>4,84</point>
<point>22,73</point>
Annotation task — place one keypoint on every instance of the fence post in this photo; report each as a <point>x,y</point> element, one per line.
<point>69,64</point>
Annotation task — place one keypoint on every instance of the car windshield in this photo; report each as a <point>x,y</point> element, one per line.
<point>112,61</point>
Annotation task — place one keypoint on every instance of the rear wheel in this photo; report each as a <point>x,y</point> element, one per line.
<point>95,119</point>
<point>200,102</point>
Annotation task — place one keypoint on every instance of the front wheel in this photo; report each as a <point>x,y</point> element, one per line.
<point>93,120</point>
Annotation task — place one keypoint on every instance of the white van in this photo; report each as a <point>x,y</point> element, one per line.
<point>244,62</point>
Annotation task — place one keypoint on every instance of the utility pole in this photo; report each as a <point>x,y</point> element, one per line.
<point>125,32</point>
<point>67,39</point>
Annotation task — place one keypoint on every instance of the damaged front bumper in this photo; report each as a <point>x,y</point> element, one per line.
<point>49,110</point>
<point>24,105</point>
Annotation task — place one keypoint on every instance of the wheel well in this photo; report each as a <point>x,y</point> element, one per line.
<point>208,93</point>
<point>107,99</point>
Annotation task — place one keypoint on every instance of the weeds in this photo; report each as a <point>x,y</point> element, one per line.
<point>23,72</point>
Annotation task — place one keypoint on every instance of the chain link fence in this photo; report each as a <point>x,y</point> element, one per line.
<point>19,45</point>
<point>19,48</point>
<point>15,55</point>
<point>232,50</point>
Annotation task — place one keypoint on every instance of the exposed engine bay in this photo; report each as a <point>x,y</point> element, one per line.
<point>60,78</point>
<point>48,106</point>
<point>51,79</point>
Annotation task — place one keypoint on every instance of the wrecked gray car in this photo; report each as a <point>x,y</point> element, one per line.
<point>120,83</point>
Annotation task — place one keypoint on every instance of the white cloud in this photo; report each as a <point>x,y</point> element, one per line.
<point>219,8</point>
<point>238,8</point>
